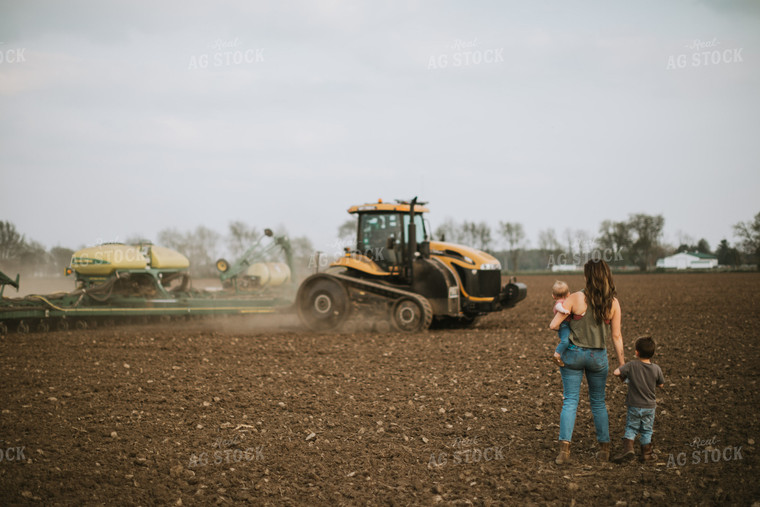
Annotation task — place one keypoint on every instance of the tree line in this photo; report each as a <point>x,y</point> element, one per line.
<point>636,241</point>
<point>17,253</point>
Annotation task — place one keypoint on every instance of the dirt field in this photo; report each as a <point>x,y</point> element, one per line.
<point>244,411</point>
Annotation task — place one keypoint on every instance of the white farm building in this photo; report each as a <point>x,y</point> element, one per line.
<point>566,267</point>
<point>688,260</point>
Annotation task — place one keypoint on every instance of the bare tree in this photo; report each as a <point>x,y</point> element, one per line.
<point>684,239</point>
<point>448,231</point>
<point>240,238</point>
<point>614,236</point>
<point>583,241</point>
<point>12,243</point>
<point>136,239</point>
<point>35,258</point>
<point>347,232</point>
<point>514,234</point>
<point>547,241</point>
<point>476,235</point>
<point>302,253</point>
<point>199,246</point>
<point>749,236</point>
<point>482,235</point>
<point>568,235</point>
<point>61,258</point>
<point>205,242</point>
<point>549,246</point>
<point>648,231</point>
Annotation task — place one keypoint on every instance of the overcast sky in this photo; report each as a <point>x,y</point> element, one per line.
<point>125,118</point>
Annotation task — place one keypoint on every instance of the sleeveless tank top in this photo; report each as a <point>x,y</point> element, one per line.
<point>585,332</point>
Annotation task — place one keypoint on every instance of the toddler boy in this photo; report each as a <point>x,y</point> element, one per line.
<point>643,378</point>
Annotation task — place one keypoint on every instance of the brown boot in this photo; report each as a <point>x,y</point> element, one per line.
<point>564,453</point>
<point>603,454</point>
<point>627,453</point>
<point>647,453</point>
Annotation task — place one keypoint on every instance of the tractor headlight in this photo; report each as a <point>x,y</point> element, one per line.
<point>494,266</point>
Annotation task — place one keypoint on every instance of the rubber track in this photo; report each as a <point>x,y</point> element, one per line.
<point>391,293</point>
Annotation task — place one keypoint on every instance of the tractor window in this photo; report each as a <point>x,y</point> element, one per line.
<point>374,231</point>
<point>419,224</point>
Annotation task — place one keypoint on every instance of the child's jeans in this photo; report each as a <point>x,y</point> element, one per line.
<point>639,421</point>
<point>564,338</point>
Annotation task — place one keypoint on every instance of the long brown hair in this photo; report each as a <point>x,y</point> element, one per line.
<point>600,288</point>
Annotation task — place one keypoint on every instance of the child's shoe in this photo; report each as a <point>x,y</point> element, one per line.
<point>557,360</point>
<point>647,453</point>
<point>627,453</point>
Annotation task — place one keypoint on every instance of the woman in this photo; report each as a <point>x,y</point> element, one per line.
<point>596,316</point>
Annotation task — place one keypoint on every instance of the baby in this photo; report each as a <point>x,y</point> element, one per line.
<point>560,292</point>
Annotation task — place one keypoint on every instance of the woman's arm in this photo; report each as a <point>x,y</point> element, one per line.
<point>559,317</point>
<point>617,334</point>
<point>557,320</point>
<point>568,305</point>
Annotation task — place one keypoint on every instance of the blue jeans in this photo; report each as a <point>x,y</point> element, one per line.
<point>639,421</point>
<point>594,363</point>
<point>564,338</point>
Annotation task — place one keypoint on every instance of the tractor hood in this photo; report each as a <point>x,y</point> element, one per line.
<point>477,259</point>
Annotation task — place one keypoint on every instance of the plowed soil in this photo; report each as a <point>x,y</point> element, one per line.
<point>260,411</point>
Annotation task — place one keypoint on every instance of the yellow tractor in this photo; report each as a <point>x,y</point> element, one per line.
<point>397,274</point>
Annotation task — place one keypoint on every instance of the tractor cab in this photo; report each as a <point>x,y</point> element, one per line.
<point>383,235</point>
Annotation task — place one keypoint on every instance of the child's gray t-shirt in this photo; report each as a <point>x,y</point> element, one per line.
<point>643,380</point>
